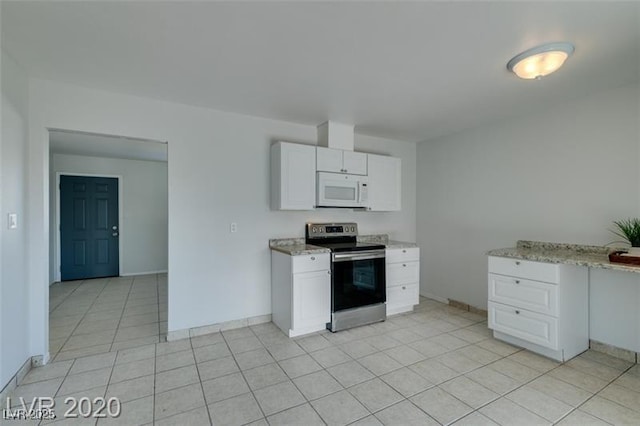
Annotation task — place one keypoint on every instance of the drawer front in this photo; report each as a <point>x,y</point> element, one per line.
<point>537,271</point>
<point>311,262</point>
<point>403,255</point>
<point>534,296</point>
<point>403,295</point>
<point>402,273</point>
<point>530,326</point>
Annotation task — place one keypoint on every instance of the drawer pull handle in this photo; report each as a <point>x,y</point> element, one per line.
<point>313,258</point>
<point>517,263</point>
<point>517,281</point>
<point>329,272</point>
<point>404,251</point>
<point>404,265</point>
<point>517,312</point>
<point>404,288</point>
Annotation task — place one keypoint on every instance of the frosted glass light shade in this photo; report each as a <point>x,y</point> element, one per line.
<point>540,61</point>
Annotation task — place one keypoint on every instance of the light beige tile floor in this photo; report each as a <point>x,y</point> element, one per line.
<point>436,365</point>
<point>103,315</point>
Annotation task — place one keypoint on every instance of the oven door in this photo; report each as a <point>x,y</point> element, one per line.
<point>358,279</point>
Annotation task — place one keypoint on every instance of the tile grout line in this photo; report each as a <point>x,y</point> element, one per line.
<point>81,319</point>
<point>264,416</point>
<point>122,314</point>
<point>204,396</point>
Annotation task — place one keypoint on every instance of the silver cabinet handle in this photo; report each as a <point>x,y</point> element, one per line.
<point>115,234</point>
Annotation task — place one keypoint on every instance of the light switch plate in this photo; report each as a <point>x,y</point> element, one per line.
<point>12,220</point>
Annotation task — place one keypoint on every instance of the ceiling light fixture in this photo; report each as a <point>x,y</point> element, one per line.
<point>541,60</point>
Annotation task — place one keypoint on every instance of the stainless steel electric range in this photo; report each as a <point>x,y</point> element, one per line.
<point>357,275</point>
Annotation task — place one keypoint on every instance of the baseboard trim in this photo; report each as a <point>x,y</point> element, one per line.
<point>466,307</point>
<point>614,351</point>
<point>434,297</point>
<point>215,328</point>
<point>134,274</point>
<point>16,379</point>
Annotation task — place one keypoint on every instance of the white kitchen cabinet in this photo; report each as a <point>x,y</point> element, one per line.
<point>340,161</point>
<point>539,306</point>
<point>385,183</point>
<point>293,176</point>
<point>403,279</point>
<point>300,292</point>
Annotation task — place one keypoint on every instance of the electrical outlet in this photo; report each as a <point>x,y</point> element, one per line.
<point>233,227</point>
<point>12,221</point>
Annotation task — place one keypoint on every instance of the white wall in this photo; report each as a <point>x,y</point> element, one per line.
<point>14,306</point>
<point>561,175</point>
<point>218,173</point>
<point>143,230</point>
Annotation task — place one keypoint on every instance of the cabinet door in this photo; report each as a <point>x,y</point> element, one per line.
<point>354,162</point>
<point>294,177</point>
<point>329,160</point>
<point>385,183</point>
<point>311,299</point>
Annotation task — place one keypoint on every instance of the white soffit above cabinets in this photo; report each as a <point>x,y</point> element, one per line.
<point>403,70</point>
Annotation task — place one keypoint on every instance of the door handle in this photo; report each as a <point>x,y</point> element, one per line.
<point>115,234</point>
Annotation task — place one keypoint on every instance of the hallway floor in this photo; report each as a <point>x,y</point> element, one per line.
<point>106,314</point>
<point>436,365</point>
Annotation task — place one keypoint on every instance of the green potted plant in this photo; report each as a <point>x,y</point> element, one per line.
<point>629,229</point>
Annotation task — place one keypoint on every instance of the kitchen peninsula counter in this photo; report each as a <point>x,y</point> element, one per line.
<point>569,254</point>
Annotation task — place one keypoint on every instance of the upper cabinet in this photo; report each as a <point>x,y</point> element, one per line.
<point>339,161</point>
<point>293,176</point>
<point>385,183</point>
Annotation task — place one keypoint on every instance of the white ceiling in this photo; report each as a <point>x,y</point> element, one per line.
<point>405,70</point>
<point>94,145</point>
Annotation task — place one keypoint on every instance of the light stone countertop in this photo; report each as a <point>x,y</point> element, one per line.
<point>297,246</point>
<point>569,254</point>
<point>393,244</point>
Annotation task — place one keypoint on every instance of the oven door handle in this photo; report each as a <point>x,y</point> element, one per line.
<point>364,255</point>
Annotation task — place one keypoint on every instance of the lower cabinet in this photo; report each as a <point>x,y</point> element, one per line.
<point>539,306</point>
<point>300,292</point>
<point>403,279</point>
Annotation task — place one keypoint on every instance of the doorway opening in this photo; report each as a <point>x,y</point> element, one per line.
<point>108,243</point>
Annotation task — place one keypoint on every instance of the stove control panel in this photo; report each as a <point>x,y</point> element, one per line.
<point>316,230</point>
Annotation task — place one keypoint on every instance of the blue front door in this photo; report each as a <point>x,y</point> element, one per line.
<point>89,227</point>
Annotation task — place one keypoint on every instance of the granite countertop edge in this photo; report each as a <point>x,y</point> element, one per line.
<point>298,247</point>
<point>567,254</point>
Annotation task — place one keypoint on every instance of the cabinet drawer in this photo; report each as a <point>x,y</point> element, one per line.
<point>531,295</point>
<point>402,273</point>
<point>537,271</point>
<point>402,255</point>
<point>310,262</point>
<point>530,326</point>
<point>403,295</point>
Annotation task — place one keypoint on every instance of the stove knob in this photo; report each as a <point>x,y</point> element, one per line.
<point>314,229</point>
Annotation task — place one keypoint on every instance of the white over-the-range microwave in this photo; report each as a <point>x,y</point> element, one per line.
<point>342,190</point>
